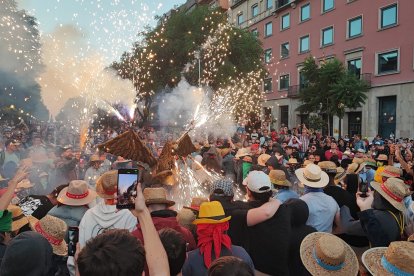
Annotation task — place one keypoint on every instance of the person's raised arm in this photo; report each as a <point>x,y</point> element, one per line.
<point>8,195</point>
<point>263,213</point>
<point>155,254</point>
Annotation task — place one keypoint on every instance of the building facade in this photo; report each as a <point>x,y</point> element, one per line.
<point>374,39</point>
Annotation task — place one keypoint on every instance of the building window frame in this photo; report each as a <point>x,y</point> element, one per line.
<point>323,44</point>
<point>266,34</point>
<point>269,7</point>
<point>240,18</point>
<point>268,55</point>
<point>282,26</point>
<point>301,11</point>
<point>301,51</point>
<point>388,51</point>
<point>255,32</point>
<point>381,26</point>
<point>269,80</point>
<point>354,59</point>
<point>288,82</point>
<point>255,7</point>
<point>281,50</point>
<point>348,27</point>
<point>329,9</point>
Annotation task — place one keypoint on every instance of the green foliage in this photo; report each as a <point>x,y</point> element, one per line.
<point>169,50</point>
<point>315,122</point>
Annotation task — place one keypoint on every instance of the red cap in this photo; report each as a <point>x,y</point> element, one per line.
<point>254,147</point>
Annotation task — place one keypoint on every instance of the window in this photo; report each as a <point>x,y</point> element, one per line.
<point>267,55</point>
<point>285,21</point>
<point>389,16</point>
<point>255,10</point>
<point>327,36</point>
<point>284,50</point>
<point>327,5</point>
<point>354,66</point>
<point>240,19</point>
<point>255,32</point>
<point>355,27</point>
<point>284,82</point>
<point>387,62</point>
<point>302,80</point>
<point>269,4</point>
<point>267,85</point>
<point>305,12</point>
<point>268,29</point>
<point>304,44</point>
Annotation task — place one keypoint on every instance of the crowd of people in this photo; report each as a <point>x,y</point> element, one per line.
<point>314,205</point>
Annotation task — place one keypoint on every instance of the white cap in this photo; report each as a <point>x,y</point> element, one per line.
<point>258,182</point>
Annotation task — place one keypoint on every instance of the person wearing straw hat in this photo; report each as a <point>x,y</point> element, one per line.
<point>396,259</point>
<point>5,230</point>
<point>162,216</point>
<point>324,254</point>
<point>53,230</point>
<point>370,169</point>
<point>282,186</point>
<point>94,171</point>
<point>382,211</point>
<point>213,241</point>
<point>323,209</point>
<point>73,203</point>
<point>104,215</point>
<point>20,223</point>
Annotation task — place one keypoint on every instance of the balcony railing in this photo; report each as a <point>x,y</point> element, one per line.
<point>366,77</point>
<point>282,3</point>
<point>235,2</point>
<point>293,91</point>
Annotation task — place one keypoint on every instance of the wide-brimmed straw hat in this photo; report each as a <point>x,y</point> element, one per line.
<point>185,217</point>
<point>370,162</point>
<point>106,185</point>
<point>328,167</point>
<point>391,171</point>
<point>358,160</point>
<point>156,196</point>
<point>326,254</point>
<point>396,259</point>
<point>312,176</point>
<point>278,177</point>
<point>18,218</point>
<point>292,161</point>
<point>340,175</point>
<point>382,157</point>
<point>355,168</point>
<point>76,194</point>
<point>243,152</point>
<point>393,190</point>
<point>195,203</point>
<point>54,230</point>
<point>211,213</point>
<point>262,159</point>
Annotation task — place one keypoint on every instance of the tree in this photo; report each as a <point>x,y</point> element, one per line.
<point>330,89</point>
<point>229,59</point>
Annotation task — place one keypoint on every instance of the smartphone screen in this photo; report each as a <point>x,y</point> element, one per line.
<point>127,186</point>
<point>73,240</point>
<point>363,188</point>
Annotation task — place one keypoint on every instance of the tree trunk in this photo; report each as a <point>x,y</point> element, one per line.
<point>329,125</point>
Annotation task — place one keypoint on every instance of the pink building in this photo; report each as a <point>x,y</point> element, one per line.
<point>374,39</point>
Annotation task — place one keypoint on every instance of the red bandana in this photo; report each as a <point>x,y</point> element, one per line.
<point>210,235</point>
<point>48,237</point>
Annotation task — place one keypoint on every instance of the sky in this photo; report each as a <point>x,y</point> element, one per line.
<point>108,26</point>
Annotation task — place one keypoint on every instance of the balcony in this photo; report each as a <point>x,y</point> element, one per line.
<point>283,3</point>
<point>366,77</point>
<point>293,91</point>
<point>236,2</point>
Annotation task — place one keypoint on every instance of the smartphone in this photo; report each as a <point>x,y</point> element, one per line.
<point>127,188</point>
<point>363,188</point>
<point>73,240</point>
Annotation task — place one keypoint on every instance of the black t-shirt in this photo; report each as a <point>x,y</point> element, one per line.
<point>267,243</point>
<point>37,206</point>
<point>343,197</point>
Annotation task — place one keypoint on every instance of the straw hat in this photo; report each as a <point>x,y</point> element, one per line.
<point>242,152</point>
<point>196,202</point>
<point>262,159</point>
<point>76,194</point>
<point>393,190</point>
<point>370,162</point>
<point>340,175</point>
<point>358,160</point>
<point>326,254</point>
<point>391,171</point>
<point>382,157</point>
<point>224,152</point>
<point>292,161</point>
<point>328,167</point>
<point>247,159</point>
<point>186,217</point>
<point>211,213</point>
<point>24,184</point>
<point>355,168</point>
<point>54,230</point>
<point>411,238</point>
<point>396,259</point>
<point>348,153</point>
<point>306,162</point>
<point>278,177</point>
<point>106,185</point>
<point>312,176</point>
<point>156,196</point>
<point>18,218</point>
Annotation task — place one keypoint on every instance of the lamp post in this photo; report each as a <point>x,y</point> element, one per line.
<point>198,56</point>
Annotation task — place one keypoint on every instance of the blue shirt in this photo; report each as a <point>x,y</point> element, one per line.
<point>322,210</point>
<point>285,194</point>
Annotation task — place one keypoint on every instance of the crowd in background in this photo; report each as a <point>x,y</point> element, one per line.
<point>315,205</point>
